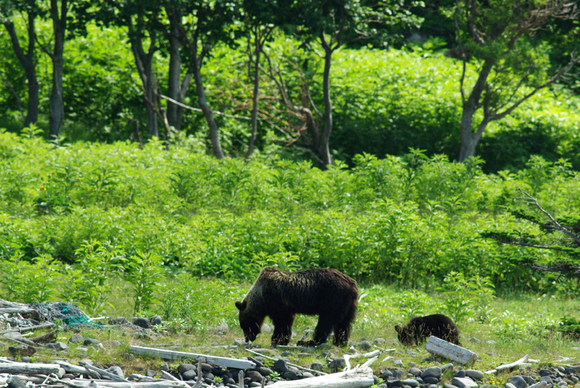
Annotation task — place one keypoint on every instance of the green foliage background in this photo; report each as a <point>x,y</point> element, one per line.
<point>70,212</point>
<point>385,101</point>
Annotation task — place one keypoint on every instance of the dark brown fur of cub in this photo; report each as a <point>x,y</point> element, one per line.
<point>420,328</point>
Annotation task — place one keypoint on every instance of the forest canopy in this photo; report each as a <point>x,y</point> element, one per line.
<point>308,80</point>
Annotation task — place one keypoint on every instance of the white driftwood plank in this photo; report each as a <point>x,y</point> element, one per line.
<point>355,378</point>
<point>131,384</point>
<point>27,368</point>
<point>448,350</point>
<point>174,355</point>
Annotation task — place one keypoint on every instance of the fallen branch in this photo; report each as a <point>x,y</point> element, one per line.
<point>521,361</point>
<point>174,355</point>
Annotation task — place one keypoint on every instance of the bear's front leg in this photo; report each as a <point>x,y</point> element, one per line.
<point>323,329</point>
<point>282,329</point>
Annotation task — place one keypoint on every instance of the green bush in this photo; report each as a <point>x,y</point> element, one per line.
<point>408,221</point>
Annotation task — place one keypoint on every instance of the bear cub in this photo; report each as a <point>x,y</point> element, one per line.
<point>280,295</point>
<point>420,328</point>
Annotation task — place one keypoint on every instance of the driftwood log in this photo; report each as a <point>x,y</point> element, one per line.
<point>130,384</point>
<point>174,355</point>
<point>448,350</point>
<point>33,369</point>
<point>360,377</point>
<point>81,370</point>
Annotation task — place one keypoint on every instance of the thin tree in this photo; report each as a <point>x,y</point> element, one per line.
<point>324,26</point>
<point>26,58</point>
<point>176,86</point>
<point>501,38</point>
<point>206,24</point>
<point>260,18</point>
<point>58,12</point>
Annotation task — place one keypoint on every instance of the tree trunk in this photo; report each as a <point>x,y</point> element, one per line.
<point>174,76</point>
<point>27,62</point>
<point>33,96</point>
<point>150,101</point>
<point>207,112</point>
<point>146,70</point>
<point>322,143</point>
<point>56,99</point>
<point>257,50</point>
<point>469,139</point>
<point>468,144</point>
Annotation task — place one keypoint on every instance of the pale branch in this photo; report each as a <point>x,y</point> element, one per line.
<point>555,224</point>
<point>199,110</point>
<point>306,89</point>
<point>306,113</point>
<point>521,361</point>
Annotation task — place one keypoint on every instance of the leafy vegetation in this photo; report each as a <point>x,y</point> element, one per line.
<point>90,215</point>
<point>382,101</point>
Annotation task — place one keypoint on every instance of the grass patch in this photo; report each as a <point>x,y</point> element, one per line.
<point>193,308</point>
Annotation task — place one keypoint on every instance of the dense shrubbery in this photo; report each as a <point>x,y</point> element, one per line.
<point>408,221</point>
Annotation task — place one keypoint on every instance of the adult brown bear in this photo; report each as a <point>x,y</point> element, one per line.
<point>420,328</point>
<point>281,295</point>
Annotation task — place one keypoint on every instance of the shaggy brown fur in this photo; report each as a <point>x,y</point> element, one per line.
<point>281,295</point>
<point>419,328</point>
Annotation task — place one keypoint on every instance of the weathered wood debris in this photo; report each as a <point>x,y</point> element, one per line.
<point>451,351</point>
<point>173,355</point>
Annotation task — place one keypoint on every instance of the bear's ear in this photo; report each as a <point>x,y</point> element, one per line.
<point>398,329</point>
<point>241,305</point>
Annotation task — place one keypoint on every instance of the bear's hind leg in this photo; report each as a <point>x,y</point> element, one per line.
<point>341,334</point>
<point>282,330</point>
<point>342,329</point>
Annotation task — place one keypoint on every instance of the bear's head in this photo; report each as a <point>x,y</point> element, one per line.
<point>406,335</point>
<point>250,323</point>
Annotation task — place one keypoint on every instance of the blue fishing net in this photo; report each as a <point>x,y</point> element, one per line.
<point>67,313</point>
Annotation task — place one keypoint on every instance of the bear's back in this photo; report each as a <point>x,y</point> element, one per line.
<point>437,325</point>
